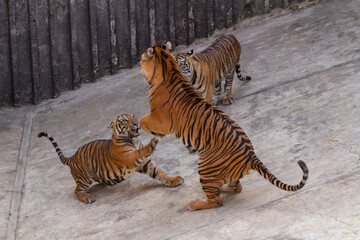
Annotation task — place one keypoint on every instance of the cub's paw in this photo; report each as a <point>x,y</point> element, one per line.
<point>174,181</point>
<point>87,198</point>
<point>153,143</point>
<point>228,101</point>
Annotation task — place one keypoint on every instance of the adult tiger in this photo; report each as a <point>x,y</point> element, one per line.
<point>112,161</point>
<point>225,151</point>
<point>206,70</point>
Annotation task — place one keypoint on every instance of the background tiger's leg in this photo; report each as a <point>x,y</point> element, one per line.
<point>149,167</point>
<point>81,192</point>
<point>217,92</point>
<point>228,99</point>
<point>212,191</point>
<point>232,187</point>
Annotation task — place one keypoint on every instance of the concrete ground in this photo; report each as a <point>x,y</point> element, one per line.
<point>302,104</point>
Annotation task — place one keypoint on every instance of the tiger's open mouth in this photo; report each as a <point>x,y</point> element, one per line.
<point>134,133</point>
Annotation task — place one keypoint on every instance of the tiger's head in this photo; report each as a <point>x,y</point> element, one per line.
<point>183,60</point>
<point>185,64</point>
<point>125,125</point>
<point>152,62</point>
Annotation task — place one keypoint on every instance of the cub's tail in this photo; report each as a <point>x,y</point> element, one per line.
<point>238,74</point>
<point>63,159</point>
<point>257,165</point>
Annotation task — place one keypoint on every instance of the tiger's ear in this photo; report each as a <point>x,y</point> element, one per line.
<point>168,46</point>
<point>111,125</point>
<point>191,53</point>
<point>150,52</point>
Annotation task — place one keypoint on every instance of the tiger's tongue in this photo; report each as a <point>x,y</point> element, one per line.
<point>135,133</point>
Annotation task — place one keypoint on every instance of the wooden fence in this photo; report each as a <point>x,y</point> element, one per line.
<point>51,46</point>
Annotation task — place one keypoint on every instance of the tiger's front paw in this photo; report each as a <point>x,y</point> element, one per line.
<point>174,181</point>
<point>153,144</point>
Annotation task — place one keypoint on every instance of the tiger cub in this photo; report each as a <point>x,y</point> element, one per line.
<point>112,161</point>
<point>207,70</point>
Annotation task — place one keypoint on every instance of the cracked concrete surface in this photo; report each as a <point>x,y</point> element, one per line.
<point>302,104</point>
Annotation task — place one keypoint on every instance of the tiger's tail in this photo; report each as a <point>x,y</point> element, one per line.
<point>63,159</point>
<point>257,165</point>
<point>238,74</point>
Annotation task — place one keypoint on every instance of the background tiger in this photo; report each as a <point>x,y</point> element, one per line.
<point>206,70</point>
<point>225,151</point>
<point>112,161</point>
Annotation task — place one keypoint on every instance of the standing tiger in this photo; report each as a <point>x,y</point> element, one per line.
<point>206,70</point>
<point>112,161</point>
<point>225,151</point>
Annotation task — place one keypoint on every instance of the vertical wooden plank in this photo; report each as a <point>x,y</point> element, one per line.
<point>260,7</point>
<point>14,50</point>
<point>275,4</point>
<point>40,49</point>
<point>61,44</point>
<point>74,44</point>
<point>6,93</point>
<point>35,59</point>
<point>152,22</point>
<point>162,21</point>
<point>171,15</point>
<point>113,48</point>
<point>238,10</point>
<point>142,28</point>
<point>123,33</point>
<point>181,23</point>
<point>53,48</point>
<point>200,17</point>
<point>228,13</point>
<point>249,8</point>
<point>133,33</point>
<point>210,16</point>
<point>191,21</point>
<point>84,41</point>
<point>103,37</point>
<point>219,14</point>
<point>94,40</point>
<point>20,51</point>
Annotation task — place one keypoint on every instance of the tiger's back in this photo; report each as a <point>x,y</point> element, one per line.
<point>95,161</point>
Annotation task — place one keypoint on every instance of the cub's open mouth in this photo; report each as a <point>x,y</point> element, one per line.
<point>134,133</point>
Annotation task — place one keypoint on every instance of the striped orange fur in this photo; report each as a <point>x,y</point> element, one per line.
<point>112,161</point>
<point>225,151</point>
<point>208,69</point>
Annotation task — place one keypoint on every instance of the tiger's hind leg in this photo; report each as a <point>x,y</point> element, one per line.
<point>232,187</point>
<point>81,192</point>
<point>228,98</point>
<point>212,192</point>
<point>82,186</point>
<point>149,167</point>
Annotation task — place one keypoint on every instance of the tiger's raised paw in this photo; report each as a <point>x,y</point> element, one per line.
<point>153,143</point>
